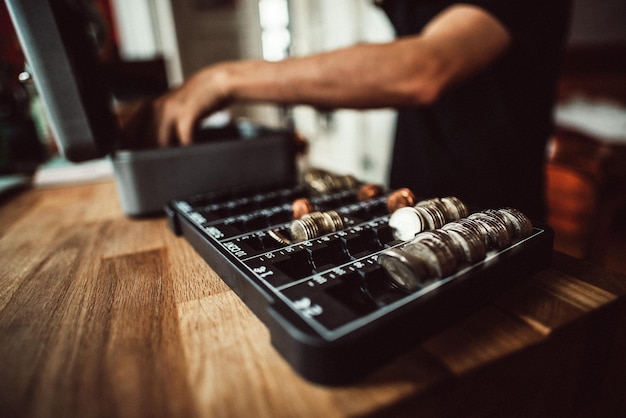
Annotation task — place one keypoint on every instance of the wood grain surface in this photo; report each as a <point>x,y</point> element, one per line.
<point>103,315</point>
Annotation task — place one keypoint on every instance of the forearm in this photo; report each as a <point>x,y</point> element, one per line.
<point>362,76</point>
<point>410,71</point>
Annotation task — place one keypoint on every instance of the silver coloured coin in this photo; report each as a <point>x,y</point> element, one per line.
<point>279,237</point>
<point>446,261</point>
<point>424,253</point>
<point>317,223</point>
<point>438,215</point>
<point>324,182</point>
<point>406,222</point>
<point>478,228</point>
<point>507,221</point>
<point>499,237</point>
<point>523,224</point>
<point>429,217</point>
<point>469,240</point>
<point>333,221</point>
<point>347,182</point>
<point>440,210</point>
<point>319,219</point>
<point>456,207</point>
<point>444,237</point>
<point>406,272</point>
<point>304,229</point>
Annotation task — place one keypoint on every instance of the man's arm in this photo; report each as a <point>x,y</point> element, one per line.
<point>459,42</point>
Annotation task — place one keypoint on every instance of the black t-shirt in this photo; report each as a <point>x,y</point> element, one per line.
<point>484,140</point>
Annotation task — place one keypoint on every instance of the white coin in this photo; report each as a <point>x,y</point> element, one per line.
<point>405,223</point>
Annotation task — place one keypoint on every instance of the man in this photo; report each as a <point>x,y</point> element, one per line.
<point>473,82</point>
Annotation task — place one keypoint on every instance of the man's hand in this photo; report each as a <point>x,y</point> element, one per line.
<point>412,71</point>
<point>178,111</point>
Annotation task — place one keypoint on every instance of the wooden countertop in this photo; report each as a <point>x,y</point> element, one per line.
<point>102,315</point>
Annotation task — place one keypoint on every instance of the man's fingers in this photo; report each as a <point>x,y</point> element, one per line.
<point>165,115</point>
<point>185,128</point>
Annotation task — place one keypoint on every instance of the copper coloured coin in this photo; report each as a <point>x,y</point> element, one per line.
<point>369,191</point>
<point>399,199</point>
<point>301,207</point>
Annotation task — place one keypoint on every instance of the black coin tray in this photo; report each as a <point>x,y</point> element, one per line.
<point>329,306</point>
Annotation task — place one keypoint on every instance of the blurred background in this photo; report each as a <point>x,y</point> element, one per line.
<point>151,45</point>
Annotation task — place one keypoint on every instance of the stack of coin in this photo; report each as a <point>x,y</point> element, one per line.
<point>408,271</point>
<point>315,224</point>
<point>496,233</point>
<point>430,256</point>
<point>442,246</point>
<point>324,182</point>
<point>477,228</point>
<point>449,241</point>
<point>406,222</point>
<point>455,207</point>
<point>469,240</point>
<point>303,229</point>
<point>522,225</point>
<point>435,254</point>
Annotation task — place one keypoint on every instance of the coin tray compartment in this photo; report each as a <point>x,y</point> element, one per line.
<point>329,306</point>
